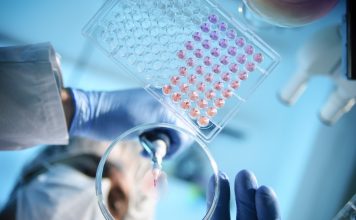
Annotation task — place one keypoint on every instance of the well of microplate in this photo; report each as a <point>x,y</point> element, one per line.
<point>195,58</point>
<point>133,193</point>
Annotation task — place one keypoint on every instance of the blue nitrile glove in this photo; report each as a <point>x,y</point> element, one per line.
<point>106,115</point>
<point>252,202</point>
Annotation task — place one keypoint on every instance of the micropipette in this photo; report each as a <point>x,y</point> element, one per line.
<point>157,149</point>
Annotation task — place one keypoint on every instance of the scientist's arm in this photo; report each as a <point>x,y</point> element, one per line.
<point>35,109</point>
<point>106,115</point>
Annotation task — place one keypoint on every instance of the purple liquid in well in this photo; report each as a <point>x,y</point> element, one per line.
<point>205,27</point>
<point>213,18</point>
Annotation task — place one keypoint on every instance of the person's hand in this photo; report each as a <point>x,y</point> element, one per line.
<point>106,115</point>
<point>252,202</point>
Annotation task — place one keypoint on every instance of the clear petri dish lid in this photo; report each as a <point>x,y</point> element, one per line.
<point>198,60</point>
<point>126,187</point>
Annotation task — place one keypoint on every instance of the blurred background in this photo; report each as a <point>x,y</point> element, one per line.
<point>311,166</point>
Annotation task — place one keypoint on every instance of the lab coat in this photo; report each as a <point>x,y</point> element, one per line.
<point>49,195</point>
<point>31,111</point>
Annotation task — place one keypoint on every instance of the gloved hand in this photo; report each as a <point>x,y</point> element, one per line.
<point>106,115</point>
<point>252,202</point>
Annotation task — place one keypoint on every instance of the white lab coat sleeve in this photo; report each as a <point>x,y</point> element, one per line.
<point>31,111</point>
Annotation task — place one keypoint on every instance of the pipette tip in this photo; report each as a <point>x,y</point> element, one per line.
<point>156,174</point>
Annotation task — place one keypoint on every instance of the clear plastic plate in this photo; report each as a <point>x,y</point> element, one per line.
<point>195,58</point>
<point>133,193</point>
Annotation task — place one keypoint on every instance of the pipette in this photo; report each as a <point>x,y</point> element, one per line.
<point>157,148</point>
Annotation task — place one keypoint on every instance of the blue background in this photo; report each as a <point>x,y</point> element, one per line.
<point>311,166</point>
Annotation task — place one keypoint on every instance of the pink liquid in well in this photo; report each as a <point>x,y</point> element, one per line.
<point>167,89</point>
<point>189,45</point>
<point>226,77</point>
<point>202,103</point>
<point>218,85</point>
<point>203,121</point>
<point>190,62</point>
<point>250,66</point>
<point>220,102</point>
<point>194,113</point>
<point>185,104</point>
<point>227,93</point>
<point>193,96</point>
<point>175,80</point>
<point>181,54</point>
<point>208,77</point>
<point>258,57</point>
<point>201,87</point>
<point>235,84</point>
<point>184,88</point>
<point>210,94</point>
<point>243,75</point>
<point>212,111</point>
<point>176,97</point>
<point>183,71</point>
<point>202,99</point>
<point>199,70</point>
<point>192,79</point>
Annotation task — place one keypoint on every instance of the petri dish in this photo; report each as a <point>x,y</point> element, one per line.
<point>134,195</point>
<point>290,13</point>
